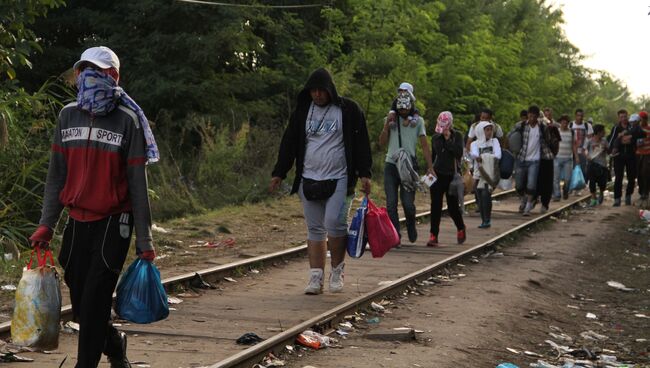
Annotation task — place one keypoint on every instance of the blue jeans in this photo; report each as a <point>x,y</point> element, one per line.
<point>562,168</point>
<point>392,183</point>
<point>526,177</point>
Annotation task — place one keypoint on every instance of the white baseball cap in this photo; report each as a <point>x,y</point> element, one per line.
<point>101,56</point>
<point>406,86</point>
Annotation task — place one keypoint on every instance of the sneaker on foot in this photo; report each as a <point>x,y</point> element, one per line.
<point>336,278</point>
<point>593,202</point>
<point>543,209</point>
<point>556,199</point>
<point>315,285</point>
<point>484,225</point>
<point>565,195</point>
<point>628,200</point>
<point>460,236</point>
<point>601,198</point>
<point>522,206</point>
<point>528,208</point>
<point>433,241</point>
<point>617,202</point>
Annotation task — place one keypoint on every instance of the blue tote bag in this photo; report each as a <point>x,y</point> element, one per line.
<point>141,297</point>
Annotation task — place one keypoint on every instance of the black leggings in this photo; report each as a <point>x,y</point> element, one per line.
<point>485,203</point>
<point>439,189</point>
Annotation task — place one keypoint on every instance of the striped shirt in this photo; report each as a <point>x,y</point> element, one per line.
<point>566,144</point>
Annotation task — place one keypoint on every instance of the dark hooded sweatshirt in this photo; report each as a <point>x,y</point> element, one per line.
<point>355,134</point>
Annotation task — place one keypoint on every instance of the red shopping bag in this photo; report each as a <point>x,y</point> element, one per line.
<point>382,235</point>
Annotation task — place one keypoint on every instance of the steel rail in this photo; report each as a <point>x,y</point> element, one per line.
<point>218,272</point>
<point>276,343</point>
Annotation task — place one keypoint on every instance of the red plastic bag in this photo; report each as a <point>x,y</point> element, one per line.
<point>382,235</point>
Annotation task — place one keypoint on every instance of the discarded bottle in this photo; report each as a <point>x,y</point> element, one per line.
<point>507,365</point>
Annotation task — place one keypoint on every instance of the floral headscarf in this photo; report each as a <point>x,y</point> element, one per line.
<point>445,121</point>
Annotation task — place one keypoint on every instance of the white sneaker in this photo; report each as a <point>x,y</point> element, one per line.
<point>315,285</point>
<point>336,278</point>
<point>528,208</point>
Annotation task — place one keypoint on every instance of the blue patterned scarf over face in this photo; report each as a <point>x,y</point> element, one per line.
<point>99,94</point>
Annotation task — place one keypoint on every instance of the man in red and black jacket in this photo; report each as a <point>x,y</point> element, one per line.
<point>97,170</point>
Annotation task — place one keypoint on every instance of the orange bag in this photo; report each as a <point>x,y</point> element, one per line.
<point>382,235</point>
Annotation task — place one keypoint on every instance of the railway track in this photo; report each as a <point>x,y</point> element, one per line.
<point>202,330</point>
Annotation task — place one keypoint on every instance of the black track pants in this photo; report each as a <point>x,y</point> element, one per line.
<point>92,256</point>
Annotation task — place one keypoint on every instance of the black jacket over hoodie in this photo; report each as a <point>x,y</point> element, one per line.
<point>355,134</point>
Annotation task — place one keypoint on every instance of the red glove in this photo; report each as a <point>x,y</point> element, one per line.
<point>41,237</point>
<point>147,255</point>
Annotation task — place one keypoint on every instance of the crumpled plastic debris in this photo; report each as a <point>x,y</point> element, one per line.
<point>314,340</point>
<point>543,364</point>
<point>591,335</point>
<point>249,338</point>
<point>619,286</point>
<point>198,282</point>
<point>71,327</point>
<point>507,365</point>
<point>13,358</point>
<point>272,361</point>
<point>373,320</point>
<point>561,349</point>
<point>174,300</point>
<point>228,243</point>
<point>377,307</point>
<point>159,229</point>
<point>8,287</point>
<point>591,316</point>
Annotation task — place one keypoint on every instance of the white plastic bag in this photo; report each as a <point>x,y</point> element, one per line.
<point>505,184</point>
<point>37,309</point>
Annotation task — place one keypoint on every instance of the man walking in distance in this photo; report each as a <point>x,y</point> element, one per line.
<point>97,170</point>
<point>582,131</point>
<point>563,163</point>
<point>534,147</point>
<point>328,140</point>
<point>624,158</point>
<point>404,134</point>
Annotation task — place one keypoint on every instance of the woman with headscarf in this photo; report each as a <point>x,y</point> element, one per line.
<point>447,150</point>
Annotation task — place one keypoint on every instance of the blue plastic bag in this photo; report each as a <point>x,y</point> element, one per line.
<point>141,297</point>
<point>577,179</point>
<point>357,237</point>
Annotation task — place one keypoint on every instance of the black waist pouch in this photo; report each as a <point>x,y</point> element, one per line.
<point>318,190</point>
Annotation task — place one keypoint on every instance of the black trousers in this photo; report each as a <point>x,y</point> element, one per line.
<point>643,174</point>
<point>485,203</point>
<point>439,189</point>
<point>625,164</point>
<point>545,181</point>
<point>92,256</point>
<point>598,176</point>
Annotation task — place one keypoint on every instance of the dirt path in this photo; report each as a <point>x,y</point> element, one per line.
<point>202,329</point>
<point>516,301</point>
